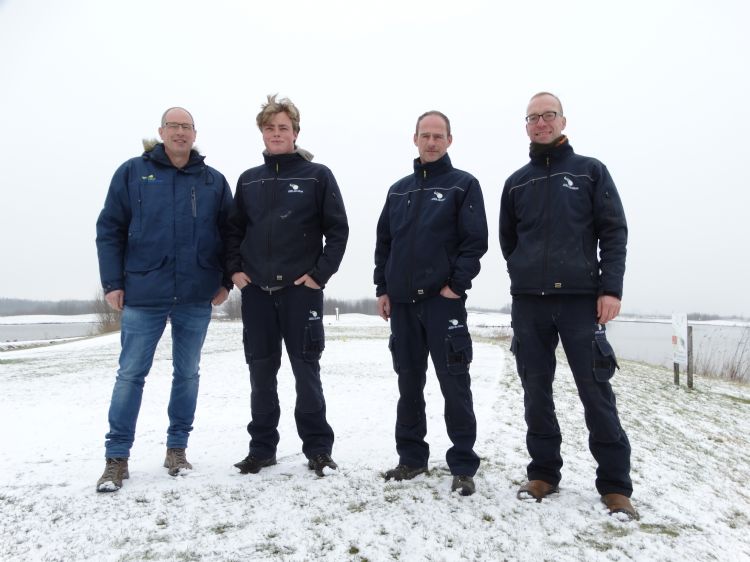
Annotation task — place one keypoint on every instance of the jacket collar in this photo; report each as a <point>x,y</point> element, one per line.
<point>157,154</point>
<point>278,160</point>
<point>435,168</point>
<point>555,150</point>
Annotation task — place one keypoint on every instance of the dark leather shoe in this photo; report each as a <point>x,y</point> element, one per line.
<point>536,489</point>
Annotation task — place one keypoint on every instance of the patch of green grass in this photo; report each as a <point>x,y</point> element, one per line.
<point>616,530</point>
<point>391,497</point>
<point>10,500</point>
<point>221,528</point>
<point>187,556</point>
<point>353,550</point>
<point>738,399</point>
<point>656,529</point>
<point>13,361</point>
<point>599,546</point>
<point>736,520</point>
<point>269,549</point>
<point>488,518</point>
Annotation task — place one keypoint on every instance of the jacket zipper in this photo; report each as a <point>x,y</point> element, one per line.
<point>415,229</point>
<point>192,200</point>
<point>547,226</point>
<point>270,279</point>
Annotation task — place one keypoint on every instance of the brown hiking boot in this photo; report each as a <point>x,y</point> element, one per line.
<point>617,503</point>
<point>536,489</point>
<point>176,462</point>
<point>115,471</point>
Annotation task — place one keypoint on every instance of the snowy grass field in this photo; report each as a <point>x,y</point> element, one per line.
<point>691,465</point>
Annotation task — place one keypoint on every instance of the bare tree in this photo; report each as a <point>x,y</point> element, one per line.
<point>232,307</point>
<point>108,319</point>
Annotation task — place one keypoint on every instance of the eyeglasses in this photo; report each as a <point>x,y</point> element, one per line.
<point>547,116</point>
<point>174,126</point>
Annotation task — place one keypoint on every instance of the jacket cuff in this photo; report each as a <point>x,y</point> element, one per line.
<point>456,287</point>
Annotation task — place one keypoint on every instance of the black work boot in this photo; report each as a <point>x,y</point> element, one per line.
<point>252,464</point>
<point>319,462</point>
<point>404,472</point>
<point>464,484</point>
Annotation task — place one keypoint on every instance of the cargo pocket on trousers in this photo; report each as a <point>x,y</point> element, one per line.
<point>458,353</point>
<point>604,360</point>
<point>315,341</point>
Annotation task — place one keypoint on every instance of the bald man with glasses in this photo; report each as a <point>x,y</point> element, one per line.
<point>555,213</point>
<point>160,240</point>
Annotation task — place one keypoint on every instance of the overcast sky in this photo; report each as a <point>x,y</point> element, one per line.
<point>658,91</point>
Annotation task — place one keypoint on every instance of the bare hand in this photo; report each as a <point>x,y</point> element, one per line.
<point>607,308</point>
<point>448,293</point>
<point>221,295</point>
<point>384,307</point>
<point>307,281</point>
<point>115,299</point>
<point>240,280</point>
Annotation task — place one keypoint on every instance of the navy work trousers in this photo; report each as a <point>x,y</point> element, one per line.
<point>539,322</point>
<point>294,314</point>
<point>436,326</point>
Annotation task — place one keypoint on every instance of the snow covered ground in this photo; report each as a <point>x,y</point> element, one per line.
<point>691,465</point>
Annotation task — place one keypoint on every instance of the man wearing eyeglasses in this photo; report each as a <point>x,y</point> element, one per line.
<point>160,241</point>
<point>555,213</point>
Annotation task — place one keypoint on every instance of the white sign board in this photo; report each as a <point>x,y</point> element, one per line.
<point>679,338</point>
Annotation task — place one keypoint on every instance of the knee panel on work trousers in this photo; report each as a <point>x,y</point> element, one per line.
<point>531,362</point>
<point>264,398</point>
<point>308,386</point>
<point>536,373</point>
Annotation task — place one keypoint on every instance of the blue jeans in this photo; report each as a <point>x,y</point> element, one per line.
<point>142,328</point>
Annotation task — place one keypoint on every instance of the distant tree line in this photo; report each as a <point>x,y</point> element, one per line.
<point>707,317</point>
<point>359,306</point>
<point>232,309</point>
<point>17,307</point>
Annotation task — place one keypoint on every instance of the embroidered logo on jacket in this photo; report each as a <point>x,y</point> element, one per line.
<point>438,196</point>
<point>294,188</point>
<point>151,178</point>
<point>313,315</point>
<point>567,182</point>
<point>454,324</point>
